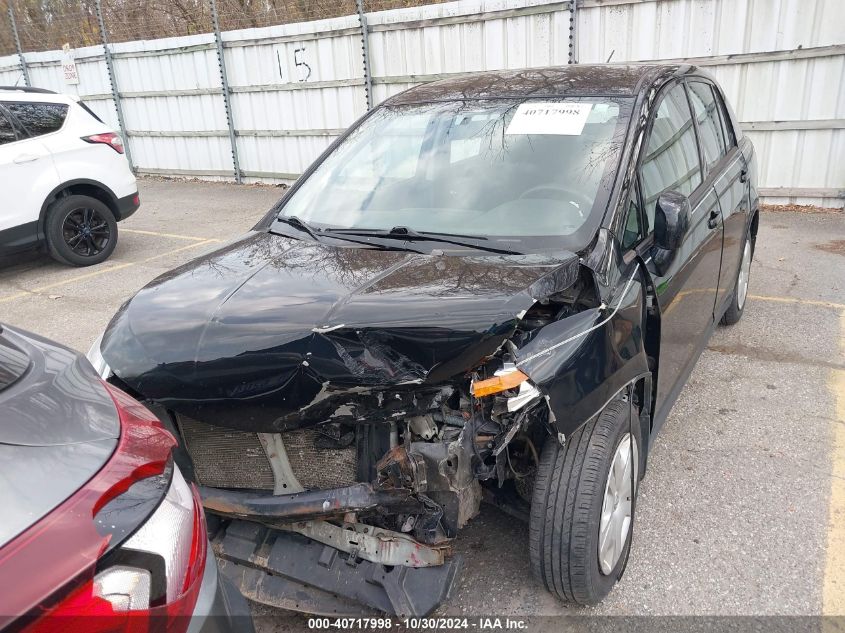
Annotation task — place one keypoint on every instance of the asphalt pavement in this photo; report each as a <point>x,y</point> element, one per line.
<point>742,511</point>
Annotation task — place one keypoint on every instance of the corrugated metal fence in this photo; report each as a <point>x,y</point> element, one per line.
<point>292,88</point>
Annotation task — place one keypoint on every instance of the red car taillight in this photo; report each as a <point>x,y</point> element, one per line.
<point>108,138</point>
<point>69,584</point>
<point>121,596</point>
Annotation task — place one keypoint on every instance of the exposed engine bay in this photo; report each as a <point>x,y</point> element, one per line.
<point>361,433</point>
<point>393,484</point>
<point>422,452</point>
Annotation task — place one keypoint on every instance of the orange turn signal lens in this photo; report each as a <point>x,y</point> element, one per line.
<point>497,384</point>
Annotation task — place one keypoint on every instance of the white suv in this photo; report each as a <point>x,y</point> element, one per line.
<point>64,181</point>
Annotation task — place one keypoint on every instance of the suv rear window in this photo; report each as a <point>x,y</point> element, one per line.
<point>39,118</point>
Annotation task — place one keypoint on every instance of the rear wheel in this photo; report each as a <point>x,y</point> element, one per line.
<point>81,231</point>
<point>582,507</point>
<point>737,306</point>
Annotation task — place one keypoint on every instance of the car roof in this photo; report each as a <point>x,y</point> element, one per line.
<point>555,81</point>
<point>11,93</point>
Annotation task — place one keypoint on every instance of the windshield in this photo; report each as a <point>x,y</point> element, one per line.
<point>533,171</point>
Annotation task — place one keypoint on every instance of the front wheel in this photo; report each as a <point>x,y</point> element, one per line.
<point>582,508</point>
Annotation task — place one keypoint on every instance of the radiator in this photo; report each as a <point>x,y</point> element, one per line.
<point>224,458</point>
<point>319,467</point>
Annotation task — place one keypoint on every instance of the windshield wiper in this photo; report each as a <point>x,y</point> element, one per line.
<point>404,233</point>
<point>296,223</point>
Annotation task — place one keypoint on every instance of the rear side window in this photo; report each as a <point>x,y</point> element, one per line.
<point>7,132</point>
<point>727,127</point>
<point>39,118</point>
<point>671,155</point>
<point>709,124</point>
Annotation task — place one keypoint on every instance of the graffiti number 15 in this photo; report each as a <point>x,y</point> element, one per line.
<point>302,68</point>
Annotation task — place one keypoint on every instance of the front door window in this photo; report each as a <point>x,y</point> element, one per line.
<point>671,156</point>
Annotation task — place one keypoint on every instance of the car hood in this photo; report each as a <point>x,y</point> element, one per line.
<point>252,336</point>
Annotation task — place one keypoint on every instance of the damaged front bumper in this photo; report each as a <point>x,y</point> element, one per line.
<point>286,569</point>
<point>307,551</point>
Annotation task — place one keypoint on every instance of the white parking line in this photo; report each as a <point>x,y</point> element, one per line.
<point>833,590</point>
<point>174,236</point>
<point>101,271</point>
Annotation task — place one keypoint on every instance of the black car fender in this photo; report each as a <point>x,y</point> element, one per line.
<point>580,363</point>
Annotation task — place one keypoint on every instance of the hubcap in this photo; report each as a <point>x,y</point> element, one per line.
<point>744,273</point>
<point>86,232</point>
<point>616,508</point>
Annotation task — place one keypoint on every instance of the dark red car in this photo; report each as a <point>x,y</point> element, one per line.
<point>100,530</point>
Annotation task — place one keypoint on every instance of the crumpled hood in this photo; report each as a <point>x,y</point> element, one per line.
<point>256,334</point>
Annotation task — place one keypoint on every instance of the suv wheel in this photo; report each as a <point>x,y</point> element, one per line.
<point>582,508</point>
<point>81,231</point>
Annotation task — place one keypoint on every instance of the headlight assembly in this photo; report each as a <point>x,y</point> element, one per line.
<point>507,378</point>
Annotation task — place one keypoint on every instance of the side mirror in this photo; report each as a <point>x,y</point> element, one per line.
<point>671,222</point>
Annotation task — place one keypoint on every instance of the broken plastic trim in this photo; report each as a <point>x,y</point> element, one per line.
<point>527,393</point>
<point>372,543</point>
<point>292,571</point>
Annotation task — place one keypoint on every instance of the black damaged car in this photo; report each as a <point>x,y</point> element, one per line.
<point>492,287</point>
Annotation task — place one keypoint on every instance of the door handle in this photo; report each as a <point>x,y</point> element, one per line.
<point>713,220</point>
<point>25,158</point>
<point>743,175</point>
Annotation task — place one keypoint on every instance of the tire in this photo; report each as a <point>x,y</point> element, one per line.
<point>740,292</point>
<point>567,503</point>
<point>67,240</point>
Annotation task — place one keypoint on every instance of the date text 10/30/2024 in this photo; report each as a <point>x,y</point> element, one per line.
<point>414,624</point>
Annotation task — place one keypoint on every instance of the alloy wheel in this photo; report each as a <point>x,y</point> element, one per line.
<point>618,504</point>
<point>744,273</point>
<point>86,232</point>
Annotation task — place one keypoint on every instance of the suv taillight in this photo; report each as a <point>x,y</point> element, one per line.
<point>108,138</point>
<point>150,581</point>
